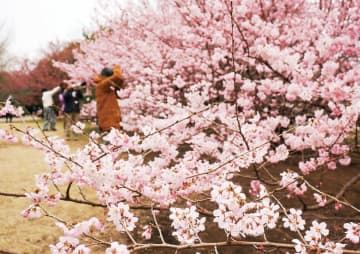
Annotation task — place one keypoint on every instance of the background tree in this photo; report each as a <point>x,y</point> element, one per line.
<point>3,59</point>
<point>237,109</point>
<point>26,82</point>
<point>3,49</point>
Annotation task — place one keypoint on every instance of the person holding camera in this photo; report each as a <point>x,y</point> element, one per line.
<point>108,109</point>
<point>71,96</point>
<point>49,113</point>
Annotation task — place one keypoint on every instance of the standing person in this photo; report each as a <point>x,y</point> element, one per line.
<point>49,107</point>
<point>62,105</point>
<point>71,96</point>
<point>9,110</point>
<point>108,110</point>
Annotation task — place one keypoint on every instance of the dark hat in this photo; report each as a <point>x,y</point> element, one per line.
<point>107,72</point>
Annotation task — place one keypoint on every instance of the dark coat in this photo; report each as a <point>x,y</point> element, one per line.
<point>72,100</point>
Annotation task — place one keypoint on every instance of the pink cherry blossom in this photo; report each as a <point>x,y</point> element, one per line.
<point>66,245</point>
<point>187,224</point>
<point>206,104</point>
<point>117,248</point>
<point>78,127</point>
<point>81,249</point>
<point>147,232</point>
<point>352,232</point>
<point>294,221</point>
<point>121,216</point>
<point>81,228</point>
<point>33,211</point>
<point>320,199</point>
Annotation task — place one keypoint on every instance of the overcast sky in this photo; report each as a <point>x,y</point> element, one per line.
<point>31,24</point>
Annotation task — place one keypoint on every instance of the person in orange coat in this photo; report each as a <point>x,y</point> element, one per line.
<point>108,110</point>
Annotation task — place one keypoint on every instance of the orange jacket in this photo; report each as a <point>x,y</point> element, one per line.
<point>108,110</point>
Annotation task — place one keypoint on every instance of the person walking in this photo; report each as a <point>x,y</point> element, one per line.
<point>107,106</point>
<point>49,113</point>
<point>72,96</point>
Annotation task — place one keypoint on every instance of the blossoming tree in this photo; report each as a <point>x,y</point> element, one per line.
<point>216,92</point>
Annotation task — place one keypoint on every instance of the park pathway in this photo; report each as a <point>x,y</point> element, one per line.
<point>18,166</point>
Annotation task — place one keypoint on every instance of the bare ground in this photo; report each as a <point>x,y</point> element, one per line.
<point>18,166</point>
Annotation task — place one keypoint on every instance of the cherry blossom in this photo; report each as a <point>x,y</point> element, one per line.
<point>78,127</point>
<point>123,219</point>
<point>289,180</point>
<point>317,239</point>
<point>66,245</point>
<point>215,91</point>
<point>7,136</point>
<point>147,232</point>
<point>81,228</point>
<point>321,200</point>
<point>294,221</point>
<point>9,108</point>
<point>117,248</point>
<point>316,233</point>
<point>33,211</point>
<point>81,249</point>
<point>352,232</point>
<point>187,224</point>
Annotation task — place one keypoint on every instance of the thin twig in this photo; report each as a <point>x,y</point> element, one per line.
<point>335,198</point>
<point>221,244</point>
<point>286,214</point>
<point>157,226</point>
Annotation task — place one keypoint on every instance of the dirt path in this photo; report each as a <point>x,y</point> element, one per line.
<point>18,166</point>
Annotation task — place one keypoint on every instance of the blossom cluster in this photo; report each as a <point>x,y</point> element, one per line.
<point>122,218</point>
<point>187,224</point>
<point>9,108</point>
<point>289,180</point>
<point>214,91</point>
<point>240,217</point>
<point>352,231</point>
<point>316,239</point>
